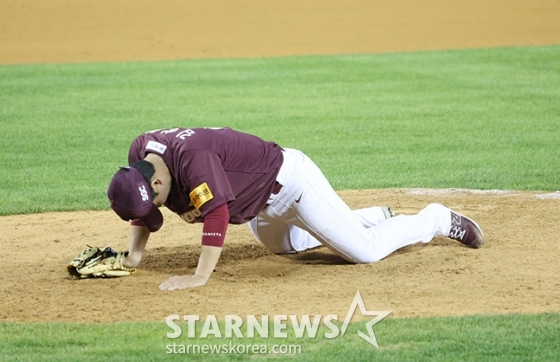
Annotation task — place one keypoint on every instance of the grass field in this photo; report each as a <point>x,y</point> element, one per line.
<point>484,119</point>
<point>469,119</point>
<point>473,338</point>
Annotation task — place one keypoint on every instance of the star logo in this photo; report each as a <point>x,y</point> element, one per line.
<point>358,302</point>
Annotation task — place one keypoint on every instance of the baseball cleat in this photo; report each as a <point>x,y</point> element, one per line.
<point>465,231</point>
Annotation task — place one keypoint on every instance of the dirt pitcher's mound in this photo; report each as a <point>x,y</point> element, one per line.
<point>516,270</point>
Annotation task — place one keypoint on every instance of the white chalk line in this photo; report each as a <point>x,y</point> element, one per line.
<point>451,191</point>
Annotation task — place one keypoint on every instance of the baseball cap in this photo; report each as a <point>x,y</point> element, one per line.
<point>131,198</point>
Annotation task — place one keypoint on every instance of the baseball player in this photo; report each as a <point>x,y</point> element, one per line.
<point>218,176</point>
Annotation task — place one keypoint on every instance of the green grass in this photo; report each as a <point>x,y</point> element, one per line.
<point>473,338</point>
<point>480,119</point>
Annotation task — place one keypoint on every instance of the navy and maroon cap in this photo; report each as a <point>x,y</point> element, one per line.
<point>131,198</point>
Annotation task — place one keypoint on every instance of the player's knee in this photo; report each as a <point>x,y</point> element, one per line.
<point>367,259</point>
<point>277,246</point>
<point>363,258</point>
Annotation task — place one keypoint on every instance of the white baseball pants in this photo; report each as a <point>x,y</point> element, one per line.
<point>307,212</point>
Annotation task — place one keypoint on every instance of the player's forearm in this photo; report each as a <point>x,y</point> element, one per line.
<point>213,235</point>
<point>138,238</point>
<point>209,257</point>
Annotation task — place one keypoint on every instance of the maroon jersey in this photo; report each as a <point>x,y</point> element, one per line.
<point>213,166</point>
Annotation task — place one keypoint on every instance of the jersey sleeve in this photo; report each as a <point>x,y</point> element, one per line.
<point>135,153</point>
<point>205,181</point>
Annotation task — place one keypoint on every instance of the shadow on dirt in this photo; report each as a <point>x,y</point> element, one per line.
<point>179,258</point>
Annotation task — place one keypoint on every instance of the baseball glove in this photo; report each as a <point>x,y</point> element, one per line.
<point>99,262</point>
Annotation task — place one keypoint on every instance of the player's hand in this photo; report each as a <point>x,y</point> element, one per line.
<point>182,282</point>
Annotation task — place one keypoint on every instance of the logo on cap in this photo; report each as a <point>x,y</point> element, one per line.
<point>144,193</point>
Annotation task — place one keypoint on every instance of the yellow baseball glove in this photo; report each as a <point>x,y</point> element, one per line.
<point>97,262</point>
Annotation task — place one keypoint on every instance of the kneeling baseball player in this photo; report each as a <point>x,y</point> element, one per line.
<point>219,176</point>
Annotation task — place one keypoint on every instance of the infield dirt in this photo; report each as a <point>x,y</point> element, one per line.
<point>515,271</point>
